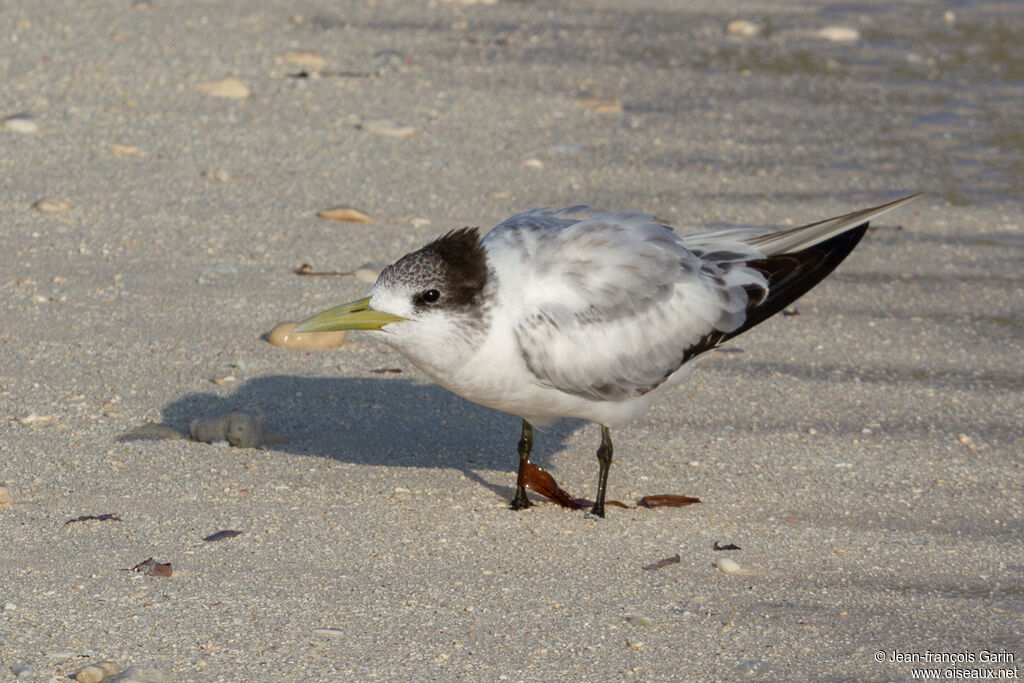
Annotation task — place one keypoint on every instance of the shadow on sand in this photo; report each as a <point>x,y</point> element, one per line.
<point>375,421</point>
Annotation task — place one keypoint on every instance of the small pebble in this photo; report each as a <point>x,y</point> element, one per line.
<point>388,128</point>
<point>282,335</point>
<point>602,105</point>
<point>231,88</point>
<point>966,441</point>
<point>368,273</point>
<point>21,123</point>
<point>420,222</point>
<point>329,632</point>
<point>839,34</point>
<point>640,620</point>
<point>10,607</point>
<point>136,674</point>
<point>742,28</point>
<point>6,498</point>
<point>533,163</point>
<point>95,673</point>
<point>636,645</point>
<point>222,380</point>
<point>225,269</point>
<point>344,213</point>
<point>51,205</point>
<point>21,670</point>
<point>304,58</point>
<point>949,18</point>
<point>218,176</point>
<point>241,430</point>
<point>727,565</point>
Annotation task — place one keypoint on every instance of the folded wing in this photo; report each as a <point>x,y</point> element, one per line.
<point>614,304</point>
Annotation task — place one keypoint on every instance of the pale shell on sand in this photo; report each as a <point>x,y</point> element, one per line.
<point>839,34</point>
<point>231,88</point>
<point>344,213</point>
<point>727,565</point>
<point>303,58</point>
<point>51,205</point>
<point>282,335</point>
<point>742,28</point>
<point>21,123</point>
<point>388,128</point>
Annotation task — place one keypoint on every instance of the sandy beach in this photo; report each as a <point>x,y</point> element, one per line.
<point>162,166</point>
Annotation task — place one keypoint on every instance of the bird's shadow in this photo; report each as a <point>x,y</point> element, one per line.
<point>389,420</point>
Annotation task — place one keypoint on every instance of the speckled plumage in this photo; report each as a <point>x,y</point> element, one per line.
<point>553,316</point>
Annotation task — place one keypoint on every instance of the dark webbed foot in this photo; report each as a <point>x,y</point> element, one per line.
<point>520,501</point>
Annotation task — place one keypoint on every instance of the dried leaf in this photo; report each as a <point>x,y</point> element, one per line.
<point>221,535</point>
<point>151,567</point>
<point>670,500</point>
<point>663,563</point>
<point>108,517</point>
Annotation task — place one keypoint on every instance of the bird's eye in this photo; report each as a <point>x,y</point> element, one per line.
<point>430,296</point>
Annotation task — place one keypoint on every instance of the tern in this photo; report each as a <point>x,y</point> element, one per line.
<point>549,316</point>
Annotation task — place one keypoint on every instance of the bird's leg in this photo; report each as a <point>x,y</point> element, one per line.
<point>520,501</point>
<point>604,456</point>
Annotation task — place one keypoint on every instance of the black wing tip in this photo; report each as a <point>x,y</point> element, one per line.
<point>789,276</point>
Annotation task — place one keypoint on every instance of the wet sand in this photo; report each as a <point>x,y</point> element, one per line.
<point>864,455</point>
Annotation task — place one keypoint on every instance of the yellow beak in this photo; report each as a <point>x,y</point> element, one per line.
<point>356,315</point>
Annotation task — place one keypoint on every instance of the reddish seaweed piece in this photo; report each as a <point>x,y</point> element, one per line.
<point>675,559</point>
<point>541,481</point>
<point>662,500</point>
<point>535,477</point>
<point>222,534</point>
<point>151,567</point>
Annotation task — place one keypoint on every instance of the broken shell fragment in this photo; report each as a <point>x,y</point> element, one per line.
<point>388,128</point>
<point>344,213</point>
<point>304,58</point>
<point>51,205</point>
<point>226,87</point>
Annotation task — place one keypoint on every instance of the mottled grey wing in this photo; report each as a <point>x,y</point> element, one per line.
<point>612,304</point>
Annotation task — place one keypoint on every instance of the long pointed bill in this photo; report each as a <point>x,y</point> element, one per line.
<point>356,315</point>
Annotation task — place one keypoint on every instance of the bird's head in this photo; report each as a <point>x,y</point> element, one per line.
<point>426,303</point>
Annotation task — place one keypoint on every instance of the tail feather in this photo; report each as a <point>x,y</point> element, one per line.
<point>795,261</point>
<point>797,239</point>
